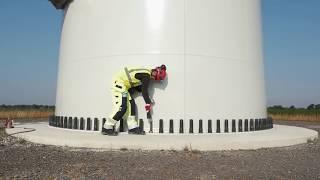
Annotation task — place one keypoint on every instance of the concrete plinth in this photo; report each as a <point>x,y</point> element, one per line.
<point>279,136</point>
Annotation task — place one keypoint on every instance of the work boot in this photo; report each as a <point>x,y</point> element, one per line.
<point>109,132</point>
<point>137,131</point>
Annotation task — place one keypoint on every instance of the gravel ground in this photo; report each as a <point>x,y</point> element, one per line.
<point>21,159</point>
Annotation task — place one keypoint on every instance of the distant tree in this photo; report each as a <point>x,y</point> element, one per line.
<point>292,107</point>
<point>317,106</point>
<point>35,106</point>
<point>310,107</point>
<point>278,107</point>
<point>3,106</point>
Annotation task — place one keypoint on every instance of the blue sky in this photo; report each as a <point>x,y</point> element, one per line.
<point>292,51</point>
<point>29,48</point>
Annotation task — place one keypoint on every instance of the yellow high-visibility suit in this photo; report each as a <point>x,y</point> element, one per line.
<point>123,104</point>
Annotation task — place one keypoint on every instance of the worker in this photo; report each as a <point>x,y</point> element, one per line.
<point>125,83</point>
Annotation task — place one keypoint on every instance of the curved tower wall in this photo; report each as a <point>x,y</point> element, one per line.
<point>212,49</point>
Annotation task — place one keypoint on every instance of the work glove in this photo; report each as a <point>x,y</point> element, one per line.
<point>148,107</point>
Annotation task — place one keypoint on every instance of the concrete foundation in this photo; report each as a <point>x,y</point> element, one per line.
<point>278,136</point>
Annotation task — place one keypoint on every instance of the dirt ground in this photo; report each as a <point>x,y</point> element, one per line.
<point>21,159</point>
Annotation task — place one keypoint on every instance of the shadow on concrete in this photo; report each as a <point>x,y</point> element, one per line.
<point>161,85</point>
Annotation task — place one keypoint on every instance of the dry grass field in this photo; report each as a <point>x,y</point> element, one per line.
<point>296,117</point>
<point>32,112</point>
<point>25,114</point>
<point>310,113</point>
<point>40,114</point>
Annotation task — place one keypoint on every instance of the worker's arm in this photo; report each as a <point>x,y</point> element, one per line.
<point>134,89</point>
<point>145,80</point>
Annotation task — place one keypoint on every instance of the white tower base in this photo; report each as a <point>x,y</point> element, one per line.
<point>163,127</point>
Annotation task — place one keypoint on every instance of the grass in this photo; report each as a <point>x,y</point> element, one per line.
<point>25,114</point>
<point>311,140</point>
<point>189,149</point>
<point>43,111</point>
<point>295,117</point>
<point>2,131</point>
<point>21,141</point>
<point>26,111</point>
<point>124,149</point>
<point>294,114</point>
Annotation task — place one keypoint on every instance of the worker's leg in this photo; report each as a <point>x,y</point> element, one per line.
<point>120,101</point>
<point>131,121</point>
<point>124,118</point>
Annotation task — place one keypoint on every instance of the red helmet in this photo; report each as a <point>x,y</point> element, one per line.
<point>161,72</point>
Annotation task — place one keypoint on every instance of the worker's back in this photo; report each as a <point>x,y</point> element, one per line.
<point>126,76</point>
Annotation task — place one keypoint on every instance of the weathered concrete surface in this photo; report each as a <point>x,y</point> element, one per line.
<point>279,136</point>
